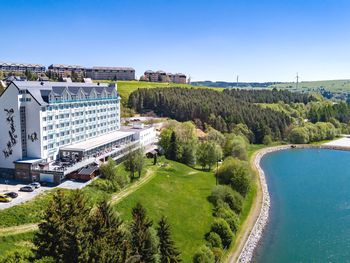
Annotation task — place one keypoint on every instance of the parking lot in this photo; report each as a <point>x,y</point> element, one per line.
<point>14,186</point>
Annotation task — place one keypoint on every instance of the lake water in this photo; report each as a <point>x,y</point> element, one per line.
<point>310,207</point>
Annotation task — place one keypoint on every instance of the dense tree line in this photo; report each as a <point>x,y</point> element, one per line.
<point>218,109</point>
<point>73,231</point>
<point>310,132</point>
<point>268,96</point>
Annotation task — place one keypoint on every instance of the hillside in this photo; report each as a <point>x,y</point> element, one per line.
<point>330,85</point>
<point>125,88</point>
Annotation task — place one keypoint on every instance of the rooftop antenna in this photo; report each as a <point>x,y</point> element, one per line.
<point>297,86</point>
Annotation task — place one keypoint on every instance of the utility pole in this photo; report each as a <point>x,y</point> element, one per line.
<point>237,81</point>
<point>297,86</point>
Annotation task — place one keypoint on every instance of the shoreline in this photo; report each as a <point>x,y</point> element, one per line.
<point>260,211</point>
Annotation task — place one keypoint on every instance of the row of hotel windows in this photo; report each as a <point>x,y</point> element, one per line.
<point>79,105</point>
<point>67,124</point>
<point>76,139</point>
<point>63,116</point>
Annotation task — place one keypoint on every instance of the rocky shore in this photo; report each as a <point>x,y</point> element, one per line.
<point>247,252</point>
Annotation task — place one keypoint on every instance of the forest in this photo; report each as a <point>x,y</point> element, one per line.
<point>221,110</point>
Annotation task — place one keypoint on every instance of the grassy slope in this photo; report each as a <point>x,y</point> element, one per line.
<point>331,85</point>
<point>180,193</point>
<point>125,88</point>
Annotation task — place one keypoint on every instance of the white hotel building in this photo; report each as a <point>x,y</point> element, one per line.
<point>52,129</point>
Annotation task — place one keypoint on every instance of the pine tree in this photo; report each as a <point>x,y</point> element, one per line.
<point>48,239</point>
<point>142,245</point>
<point>167,249</point>
<point>173,147</point>
<point>62,233</point>
<point>106,236</point>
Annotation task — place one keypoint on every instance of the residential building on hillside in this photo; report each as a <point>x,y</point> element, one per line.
<point>161,76</point>
<point>9,67</point>
<point>110,73</point>
<point>53,129</point>
<point>64,71</point>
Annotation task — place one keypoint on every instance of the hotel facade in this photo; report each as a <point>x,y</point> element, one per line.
<point>52,129</point>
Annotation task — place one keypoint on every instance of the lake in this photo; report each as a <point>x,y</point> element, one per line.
<point>310,207</point>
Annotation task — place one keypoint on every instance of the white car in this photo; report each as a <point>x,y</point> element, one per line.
<point>35,184</point>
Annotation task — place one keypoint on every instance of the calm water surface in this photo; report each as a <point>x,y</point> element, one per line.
<point>310,213</point>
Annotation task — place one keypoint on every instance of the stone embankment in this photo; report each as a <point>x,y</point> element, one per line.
<point>247,252</point>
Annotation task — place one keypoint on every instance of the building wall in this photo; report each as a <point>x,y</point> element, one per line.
<point>10,149</point>
<point>99,74</point>
<point>147,136</point>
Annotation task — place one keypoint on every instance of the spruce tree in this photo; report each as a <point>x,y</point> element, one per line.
<point>106,236</point>
<point>167,249</point>
<point>142,244</point>
<point>173,147</point>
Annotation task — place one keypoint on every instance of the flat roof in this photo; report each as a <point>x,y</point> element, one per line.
<point>134,129</point>
<point>96,142</point>
<point>28,160</point>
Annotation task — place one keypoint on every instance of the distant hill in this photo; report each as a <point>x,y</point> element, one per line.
<point>223,84</point>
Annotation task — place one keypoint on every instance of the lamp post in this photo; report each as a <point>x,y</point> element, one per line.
<point>216,174</point>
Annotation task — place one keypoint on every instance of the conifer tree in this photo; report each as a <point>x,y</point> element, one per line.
<point>142,244</point>
<point>167,249</point>
<point>107,239</point>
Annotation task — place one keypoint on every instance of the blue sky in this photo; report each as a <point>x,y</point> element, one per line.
<point>262,40</point>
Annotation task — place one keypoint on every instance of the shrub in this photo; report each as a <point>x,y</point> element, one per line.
<point>224,193</point>
<point>221,227</point>
<point>217,251</point>
<point>203,255</point>
<point>236,173</point>
<point>214,240</point>
<point>228,215</point>
<point>267,140</point>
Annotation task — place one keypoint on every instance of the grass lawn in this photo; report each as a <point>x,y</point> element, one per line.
<point>21,243</point>
<point>125,88</point>
<point>180,193</point>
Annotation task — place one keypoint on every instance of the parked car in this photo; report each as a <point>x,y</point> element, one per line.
<point>11,194</point>
<point>35,184</point>
<point>27,188</point>
<point>5,199</point>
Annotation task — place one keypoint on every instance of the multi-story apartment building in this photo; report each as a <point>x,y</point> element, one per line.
<point>161,76</point>
<point>65,71</point>
<point>21,67</point>
<point>48,122</point>
<point>110,73</point>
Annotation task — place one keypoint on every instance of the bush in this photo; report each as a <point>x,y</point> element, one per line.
<point>214,240</point>
<point>229,216</point>
<point>267,140</point>
<point>299,135</point>
<point>203,255</point>
<point>217,251</point>
<point>236,173</point>
<point>224,193</point>
<point>221,227</point>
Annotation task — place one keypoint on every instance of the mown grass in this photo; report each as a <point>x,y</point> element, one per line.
<point>21,243</point>
<point>180,193</point>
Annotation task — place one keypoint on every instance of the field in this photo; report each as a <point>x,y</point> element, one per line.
<point>331,85</point>
<point>180,193</point>
<point>125,88</point>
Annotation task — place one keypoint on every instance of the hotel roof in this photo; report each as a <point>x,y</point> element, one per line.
<point>41,90</point>
<point>97,141</point>
<point>20,64</point>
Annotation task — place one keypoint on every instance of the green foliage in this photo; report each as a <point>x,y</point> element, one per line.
<point>215,136</point>
<point>221,227</point>
<point>135,161</point>
<point>62,234</point>
<point>299,135</point>
<point>19,256</point>
<point>208,153</point>
<point>225,194</point>
<point>219,110</point>
<point>224,211</point>
<point>267,140</point>
<point>203,255</point>
<point>167,249</point>
<point>235,173</point>
<point>214,240</point>
<point>236,146</point>
<point>142,243</point>
<point>106,236</point>
<point>218,252</point>
<point>313,132</point>
<point>243,130</point>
